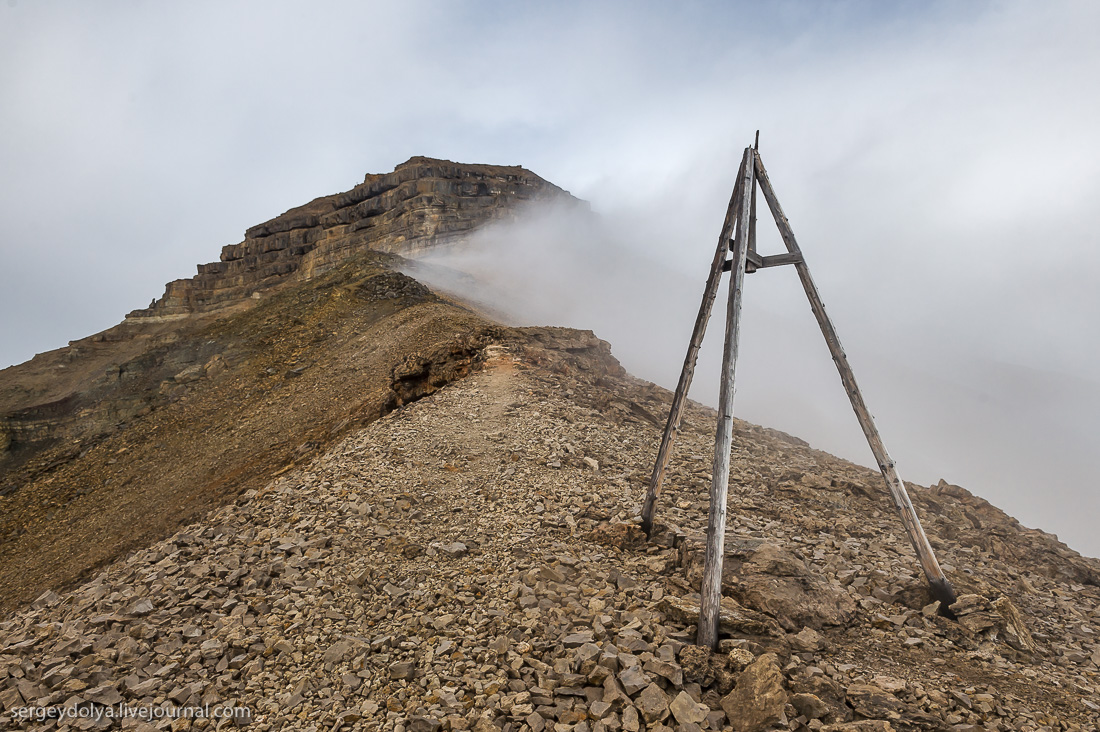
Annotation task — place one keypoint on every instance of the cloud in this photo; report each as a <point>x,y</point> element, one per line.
<point>938,162</point>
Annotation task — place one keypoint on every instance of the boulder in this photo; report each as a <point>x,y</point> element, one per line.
<point>686,710</point>
<point>795,602</point>
<point>874,702</point>
<point>758,701</point>
<point>1013,629</point>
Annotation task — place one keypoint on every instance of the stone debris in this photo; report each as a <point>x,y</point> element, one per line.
<point>424,576</point>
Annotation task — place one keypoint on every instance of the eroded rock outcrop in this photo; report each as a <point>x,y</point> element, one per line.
<point>423,204</point>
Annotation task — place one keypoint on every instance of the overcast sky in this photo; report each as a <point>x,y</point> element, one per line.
<point>939,163</point>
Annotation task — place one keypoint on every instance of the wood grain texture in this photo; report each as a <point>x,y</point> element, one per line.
<point>711,590</point>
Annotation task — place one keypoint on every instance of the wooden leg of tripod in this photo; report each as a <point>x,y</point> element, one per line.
<point>716,521</point>
<point>940,587</point>
<point>676,411</point>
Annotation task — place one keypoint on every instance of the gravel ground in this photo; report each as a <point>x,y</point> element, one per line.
<point>472,561</point>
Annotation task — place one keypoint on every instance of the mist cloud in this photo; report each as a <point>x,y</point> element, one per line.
<point>1020,436</point>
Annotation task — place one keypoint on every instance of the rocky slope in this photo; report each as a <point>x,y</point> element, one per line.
<point>299,334</point>
<point>215,406</point>
<point>351,503</point>
<point>423,204</point>
<point>472,561</point>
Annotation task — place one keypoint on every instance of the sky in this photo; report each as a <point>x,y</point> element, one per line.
<point>939,163</point>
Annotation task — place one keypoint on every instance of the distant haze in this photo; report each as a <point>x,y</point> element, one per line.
<point>1019,436</point>
<point>939,163</point>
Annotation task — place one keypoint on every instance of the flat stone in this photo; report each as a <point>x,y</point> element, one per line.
<point>213,648</point>
<point>453,550</point>
<point>403,671</point>
<point>733,618</point>
<point>686,710</point>
<point>535,721</point>
<point>337,651</point>
<point>794,601</point>
<point>141,608</point>
<point>631,721</point>
<point>808,640</point>
<point>874,702</point>
<point>10,699</point>
<point>599,709</point>
<point>575,640</point>
<point>969,603</point>
<point>423,724</point>
<point>1015,632</point>
<point>633,680</point>
<point>809,706</point>
<point>670,671</point>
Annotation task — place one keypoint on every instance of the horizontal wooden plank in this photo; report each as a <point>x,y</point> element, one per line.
<point>776,260</point>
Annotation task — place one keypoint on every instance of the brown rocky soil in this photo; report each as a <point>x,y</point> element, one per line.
<point>303,484</point>
<point>472,561</point>
<point>219,406</point>
<point>302,332</point>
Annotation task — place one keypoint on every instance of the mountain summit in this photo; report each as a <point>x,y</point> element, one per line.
<point>423,204</point>
<point>305,486</point>
<point>301,332</point>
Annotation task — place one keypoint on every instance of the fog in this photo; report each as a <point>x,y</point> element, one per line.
<point>939,162</point>
<point>1017,435</point>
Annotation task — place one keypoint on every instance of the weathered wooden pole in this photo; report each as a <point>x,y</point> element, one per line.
<point>723,439</point>
<point>752,206</point>
<point>676,411</point>
<point>940,587</point>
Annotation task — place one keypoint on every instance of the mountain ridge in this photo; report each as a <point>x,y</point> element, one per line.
<point>424,204</point>
<point>325,492</point>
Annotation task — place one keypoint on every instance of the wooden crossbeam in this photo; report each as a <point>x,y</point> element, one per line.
<point>754,261</point>
<point>777,260</point>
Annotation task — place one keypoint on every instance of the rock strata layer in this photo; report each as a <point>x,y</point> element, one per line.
<point>422,205</point>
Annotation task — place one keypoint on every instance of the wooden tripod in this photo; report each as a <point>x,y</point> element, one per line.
<point>739,232</point>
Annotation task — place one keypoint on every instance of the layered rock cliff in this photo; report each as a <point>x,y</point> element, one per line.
<point>105,379</point>
<point>423,204</point>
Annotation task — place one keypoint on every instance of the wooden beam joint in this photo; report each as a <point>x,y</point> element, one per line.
<point>753,261</point>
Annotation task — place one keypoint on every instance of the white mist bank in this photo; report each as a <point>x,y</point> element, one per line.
<point>1019,437</point>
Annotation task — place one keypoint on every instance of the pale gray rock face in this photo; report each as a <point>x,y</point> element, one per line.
<point>433,573</point>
